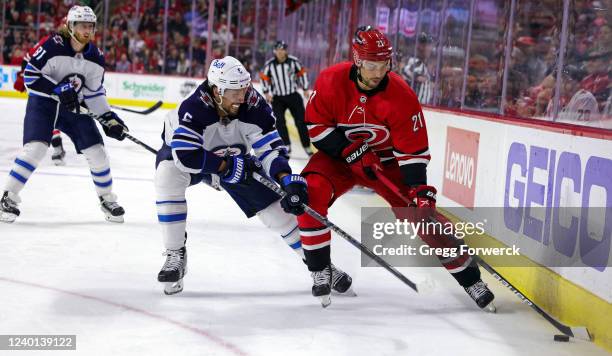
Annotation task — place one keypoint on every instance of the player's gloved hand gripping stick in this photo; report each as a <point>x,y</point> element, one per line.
<point>436,217</point>
<point>67,96</point>
<point>296,196</point>
<point>113,126</point>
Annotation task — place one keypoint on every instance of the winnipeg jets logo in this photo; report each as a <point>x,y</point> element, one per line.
<point>233,150</point>
<point>76,80</point>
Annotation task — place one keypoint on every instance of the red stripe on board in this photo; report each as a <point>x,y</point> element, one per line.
<point>563,128</point>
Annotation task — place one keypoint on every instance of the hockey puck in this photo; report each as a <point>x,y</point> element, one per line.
<point>561,337</point>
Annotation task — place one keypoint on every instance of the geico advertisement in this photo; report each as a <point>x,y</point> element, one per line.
<point>549,183</point>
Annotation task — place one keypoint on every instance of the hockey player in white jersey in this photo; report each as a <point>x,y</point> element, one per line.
<point>211,138</point>
<point>65,72</point>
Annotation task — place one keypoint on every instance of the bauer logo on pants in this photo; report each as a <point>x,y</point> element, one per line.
<point>460,165</point>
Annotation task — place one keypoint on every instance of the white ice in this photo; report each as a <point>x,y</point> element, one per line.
<point>64,270</point>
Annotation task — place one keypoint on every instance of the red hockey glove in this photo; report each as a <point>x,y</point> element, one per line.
<point>423,196</point>
<point>359,154</point>
<point>18,85</point>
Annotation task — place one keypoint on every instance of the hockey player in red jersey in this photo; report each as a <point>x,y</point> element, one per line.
<point>362,117</point>
<point>56,140</point>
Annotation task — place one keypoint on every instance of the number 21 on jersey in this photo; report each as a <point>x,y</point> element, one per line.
<point>417,122</point>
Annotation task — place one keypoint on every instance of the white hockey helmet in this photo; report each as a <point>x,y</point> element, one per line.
<point>80,14</point>
<point>228,73</point>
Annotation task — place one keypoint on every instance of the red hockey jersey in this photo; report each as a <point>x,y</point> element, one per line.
<point>18,84</point>
<point>389,117</point>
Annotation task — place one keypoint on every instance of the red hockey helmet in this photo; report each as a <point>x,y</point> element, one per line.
<point>370,44</point>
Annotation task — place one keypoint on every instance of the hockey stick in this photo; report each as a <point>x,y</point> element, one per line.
<point>155,106</point>
<point>323,220</point>
<point>127,135</point>
<point>577,332</point>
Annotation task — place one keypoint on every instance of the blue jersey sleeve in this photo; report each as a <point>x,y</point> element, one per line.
<point>35,76</point>
<point>188,141</point>
<point>269,147</point>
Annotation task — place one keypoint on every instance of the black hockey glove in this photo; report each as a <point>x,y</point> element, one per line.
<point>297,194</point>
<point>68,96</point>
<point>240,168</point>
<point>113,126</point>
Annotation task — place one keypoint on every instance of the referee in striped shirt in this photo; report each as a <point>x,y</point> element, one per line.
<point>281,77</point>
<point>416,72</point>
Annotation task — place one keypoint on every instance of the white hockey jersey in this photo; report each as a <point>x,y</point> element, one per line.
<point>55,62</point>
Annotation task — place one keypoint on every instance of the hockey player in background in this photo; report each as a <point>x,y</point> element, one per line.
<point>56,140</point>
<point>210,137</point>
<point>362,117</point>
<point>64,72</point>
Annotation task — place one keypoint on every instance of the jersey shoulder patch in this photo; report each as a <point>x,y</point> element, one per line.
<point>253,98</point>
<point>94,54</point>
<point>53,45</point>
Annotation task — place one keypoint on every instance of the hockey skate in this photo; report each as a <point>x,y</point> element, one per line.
<point>173,271</point>
<point>8,207</point>
<point>341,282</point>
<point>58,152</point>
<point>321,287</point>
<point>482,295</point>
<point>113,212</point>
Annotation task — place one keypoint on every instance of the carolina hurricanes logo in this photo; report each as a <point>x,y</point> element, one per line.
<point>232,150</point>
<point>374,135</point>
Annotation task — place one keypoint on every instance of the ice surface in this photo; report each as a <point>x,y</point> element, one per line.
<point>64,270</point>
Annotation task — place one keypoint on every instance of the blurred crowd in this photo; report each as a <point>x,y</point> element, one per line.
<point>134,39</point>
<point>584,88</point>
<point>434,59</point>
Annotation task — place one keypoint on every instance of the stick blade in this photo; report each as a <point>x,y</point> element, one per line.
<point>155,106</point>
